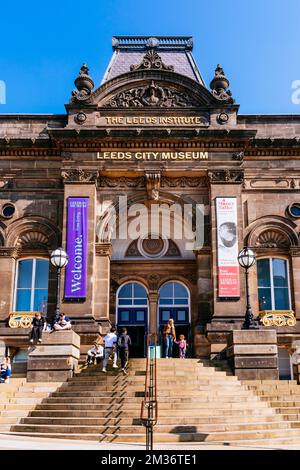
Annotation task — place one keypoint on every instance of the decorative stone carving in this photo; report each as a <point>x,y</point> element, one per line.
<point>277,318</point>
<point>103,249</point>
<point>192,277</point>
<point>21,320</point>
<point>173,251</point>
<point>153,184</point>
<point>151,95</point>
<point>33,239</point>
<point>238,156</point>
<point>84,85</point>
<point>122,182</point>
<point>272,239</point>
<point>219,86</point>
<point>226,176</point>
<point>78,175</point>
<point>183,182</point>
<point>133,251</point>
<point>151,60</point>
<point>153,281</point>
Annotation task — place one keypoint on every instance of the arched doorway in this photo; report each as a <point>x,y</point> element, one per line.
<point>174,302</point>
<point>132,313</point>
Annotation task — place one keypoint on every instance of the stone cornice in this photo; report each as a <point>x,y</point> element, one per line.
<point>18,252</point>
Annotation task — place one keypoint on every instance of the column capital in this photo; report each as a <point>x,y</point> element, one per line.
<point>103,249</point>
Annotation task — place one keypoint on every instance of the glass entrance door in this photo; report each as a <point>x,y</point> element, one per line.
<point>132,313</point>
<point>174,303</point>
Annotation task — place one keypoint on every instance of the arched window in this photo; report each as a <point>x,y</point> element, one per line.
<point>273,284</point>
<point>173,303</point>
<point>31,292</point>
<point>173,293</point>
<point>132,294</point>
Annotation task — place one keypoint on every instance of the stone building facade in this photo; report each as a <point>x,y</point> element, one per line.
<point>154,133</point>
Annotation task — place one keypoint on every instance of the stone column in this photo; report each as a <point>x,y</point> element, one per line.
<point>7,269</point>
<point>83,188</point>
<point>102,284</point>
<point>253,354</point>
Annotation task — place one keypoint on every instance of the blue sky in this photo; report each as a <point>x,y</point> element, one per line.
<point>43,45</point>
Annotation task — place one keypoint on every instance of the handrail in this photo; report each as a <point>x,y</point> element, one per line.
<point>149,402</point>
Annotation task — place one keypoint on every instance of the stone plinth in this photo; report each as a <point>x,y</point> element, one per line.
<point>89,332</point>
<point>55,359</point>
<point>253,354</point>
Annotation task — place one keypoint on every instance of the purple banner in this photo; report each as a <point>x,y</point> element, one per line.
<point>77,237</point>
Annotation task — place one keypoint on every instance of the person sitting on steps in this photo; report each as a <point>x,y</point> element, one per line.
<point>62,323</point>
<point>110,348</point>
<point>38,326</point>
<point>5,370</point>
<point>95,354</point>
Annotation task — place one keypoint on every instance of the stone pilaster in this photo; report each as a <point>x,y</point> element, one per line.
<point>7,269</point>
<point>295,281</point>
<point>83,309</point>
<point>226,186</point>
<point>153,305</point>
<point>102,282</point>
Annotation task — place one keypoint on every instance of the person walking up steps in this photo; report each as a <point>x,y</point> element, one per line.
<point>110,349</point>
<point>124,341</point>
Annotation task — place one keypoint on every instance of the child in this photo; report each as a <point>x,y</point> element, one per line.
<point>38,326</point>
<point>5,370</point>
<point>95,354</point>
<point>182,346</point>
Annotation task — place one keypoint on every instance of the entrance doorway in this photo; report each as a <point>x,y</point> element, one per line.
<point>132,313</point>
<point>174,302</point>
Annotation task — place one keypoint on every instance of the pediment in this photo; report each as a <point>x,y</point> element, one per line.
<point>148,89</point>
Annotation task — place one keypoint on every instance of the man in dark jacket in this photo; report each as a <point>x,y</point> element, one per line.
<point>124,341</point>
<point>38,326</point>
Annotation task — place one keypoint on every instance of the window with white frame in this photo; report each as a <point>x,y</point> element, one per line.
<point>273,284</point>
<point>31,292</point>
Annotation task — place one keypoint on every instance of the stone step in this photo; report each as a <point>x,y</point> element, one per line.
<point>161,392</point>
<point>112,427</point>
<point>116,409</point>
<point>211,419</point>
<point>215,437</point>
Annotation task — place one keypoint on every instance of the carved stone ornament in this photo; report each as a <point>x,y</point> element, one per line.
<point>121,182</point>
<point>153,185</point>
<point>77,175</point>
<point>151,95</point>
<point>219,86</point>
<point>103,249</point>
<point>84,85</point>
<point>272,239</point>
<point>226,176</point>
<point>277,318</point>
<point>183,182</point>
<point>151,60</point>
<point>153,281</point>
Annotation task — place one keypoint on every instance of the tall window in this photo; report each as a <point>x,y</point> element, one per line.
<point>32,285</point>
<point>173,293</point>
<point>273,284</point>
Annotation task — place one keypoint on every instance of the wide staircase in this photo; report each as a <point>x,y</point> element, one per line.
<point>196,402</point>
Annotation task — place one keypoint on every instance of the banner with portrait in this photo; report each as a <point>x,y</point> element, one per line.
<point>227,244</point>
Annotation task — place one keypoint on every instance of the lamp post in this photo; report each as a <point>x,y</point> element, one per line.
<point>246,259</point>
<point>59,259</point>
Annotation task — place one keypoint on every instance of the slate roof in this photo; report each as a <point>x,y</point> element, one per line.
<point>174,50</point>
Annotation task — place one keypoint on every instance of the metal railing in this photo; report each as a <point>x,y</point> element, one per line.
<point>149,408</point>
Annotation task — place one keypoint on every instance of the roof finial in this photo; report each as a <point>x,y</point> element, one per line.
<point>219,86</point>
<point>84,84</point>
